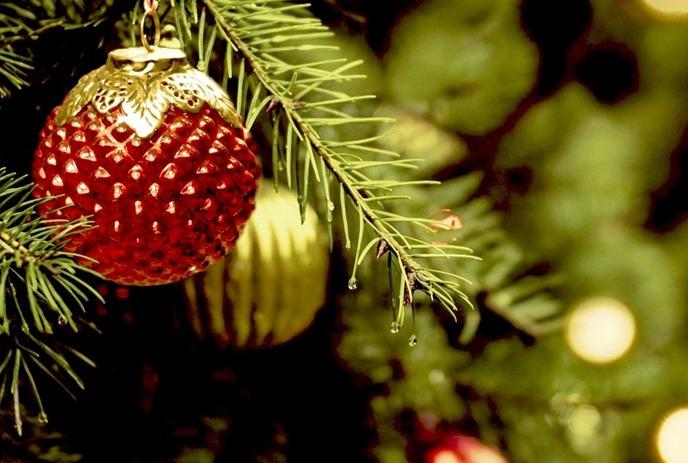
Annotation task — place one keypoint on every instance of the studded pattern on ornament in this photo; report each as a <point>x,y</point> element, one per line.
<point>164,207</point>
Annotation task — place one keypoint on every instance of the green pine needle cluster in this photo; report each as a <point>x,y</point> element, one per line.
<point>22,23</point>
<point>505,281</point>
<point>257,40</point>
<point>40,286</point>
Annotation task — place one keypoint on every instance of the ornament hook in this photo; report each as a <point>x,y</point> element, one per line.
<point>150,11</point>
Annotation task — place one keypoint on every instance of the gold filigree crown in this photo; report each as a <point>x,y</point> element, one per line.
<point>145,83</point>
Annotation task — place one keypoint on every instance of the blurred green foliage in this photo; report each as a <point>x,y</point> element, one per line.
<point>591,171</point>
<point>592,166</point>
<point>40,442</point>
<point>465,65</point>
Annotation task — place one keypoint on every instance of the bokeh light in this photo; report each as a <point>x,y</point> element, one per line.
<point>445,456</point>
<point>672,437</point>
<point>584,424</point>
<point>600,330</point>
<point>668,7</point>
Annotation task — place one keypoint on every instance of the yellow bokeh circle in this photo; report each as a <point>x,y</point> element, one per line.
<point>668,7</point>
<point>600,330</point>
<point>672,437</point>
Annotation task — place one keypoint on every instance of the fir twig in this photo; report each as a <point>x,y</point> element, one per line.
<point>295,98</point>
<point>22,26</point>
<point>39,287</point>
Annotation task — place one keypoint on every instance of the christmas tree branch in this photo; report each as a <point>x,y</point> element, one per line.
<point>504,282</point>
<point>31,34</point>
<point>21,26</point>
<point>507,281</point>
<point>295,101</point>
<point>359,196</point>
<point>40,282</point>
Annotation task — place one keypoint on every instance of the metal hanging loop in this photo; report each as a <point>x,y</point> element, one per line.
<point>150,11</point>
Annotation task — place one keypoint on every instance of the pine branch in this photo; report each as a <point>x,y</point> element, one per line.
<point>294,101</point>
<point>40,283</point>
<point>22,26</point>
<point>31,34</point>
<point>504,277</point>
<point>504,282</point>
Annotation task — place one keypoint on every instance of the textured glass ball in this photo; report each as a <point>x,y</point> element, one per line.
<point>164,207</point>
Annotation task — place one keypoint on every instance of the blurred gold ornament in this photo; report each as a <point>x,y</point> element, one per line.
<point>672,437</point>
<point>270,287</point>
<point>600,330</point>
<point>668,7</point>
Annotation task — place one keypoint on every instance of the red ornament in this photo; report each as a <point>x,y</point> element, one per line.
<point>153,152</point>
<point>464,449</point>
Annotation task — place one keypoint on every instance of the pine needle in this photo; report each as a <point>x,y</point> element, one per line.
<point>261,35</point>
<point>39,286</point>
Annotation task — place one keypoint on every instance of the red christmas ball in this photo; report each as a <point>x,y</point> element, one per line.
<point>168,189</point>
<point>464,449</point>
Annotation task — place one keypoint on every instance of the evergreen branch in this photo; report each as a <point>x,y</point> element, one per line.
<point>503,275</point>
<point>32,254</point>
<point>505,281</point>
<point>20,27</point>
<point>25,353</point>
<point>260,37</point>
<point>31,34</point>
<point>39,285</point>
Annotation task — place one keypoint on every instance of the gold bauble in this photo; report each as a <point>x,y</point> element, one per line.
<point>268,290</point>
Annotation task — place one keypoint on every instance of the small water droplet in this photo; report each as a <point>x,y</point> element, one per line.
<point>43,418</point>
<point>61,320</point>
<point>413,341</point>
<point>330,205</point>
<point>394,327</point>
<point>353,284</point>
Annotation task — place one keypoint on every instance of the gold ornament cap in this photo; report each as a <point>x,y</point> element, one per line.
<point>145,82</point>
